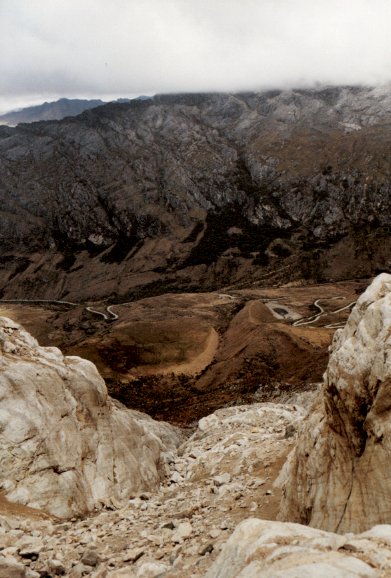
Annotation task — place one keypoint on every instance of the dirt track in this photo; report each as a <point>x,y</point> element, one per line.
<point>180,356</point>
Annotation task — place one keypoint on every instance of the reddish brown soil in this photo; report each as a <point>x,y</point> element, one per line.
<point>11,509</point>
<point>180,356</point>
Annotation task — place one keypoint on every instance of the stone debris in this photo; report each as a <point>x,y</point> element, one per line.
<point>151,570</point>
<point>221,480</point>
<point>184,530</point>
<point>29,547</point>
<point>90,558</point>
<point>224,468</point>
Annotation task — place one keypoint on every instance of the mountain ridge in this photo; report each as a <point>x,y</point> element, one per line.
<point>57,110</point>
<point>198,190</point>
<point>54,110</point>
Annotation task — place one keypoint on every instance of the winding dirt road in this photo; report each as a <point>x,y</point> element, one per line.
<point>322,312</point>
<point>108,316</point>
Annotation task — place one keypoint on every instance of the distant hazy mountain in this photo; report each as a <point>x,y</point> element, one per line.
<point>49,111</point>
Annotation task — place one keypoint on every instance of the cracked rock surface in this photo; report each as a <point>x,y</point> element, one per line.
<point>65,446</point>
<point>338,477</point>
<point>262,549</point>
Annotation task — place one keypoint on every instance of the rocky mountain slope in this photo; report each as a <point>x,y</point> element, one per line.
<point>221,473</point>
<point>198,190</point>
<point>49,111</point>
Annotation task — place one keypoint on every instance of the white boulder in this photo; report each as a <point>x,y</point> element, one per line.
<point>264,549</point>
<point>65,446</point>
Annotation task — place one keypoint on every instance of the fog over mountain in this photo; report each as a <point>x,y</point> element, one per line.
<point>103,49</point>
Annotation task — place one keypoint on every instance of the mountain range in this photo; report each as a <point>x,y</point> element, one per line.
<point>49,111</point>
<point>55,110</point>
<point>197,191</point>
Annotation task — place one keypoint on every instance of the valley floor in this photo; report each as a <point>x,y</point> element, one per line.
<point>179,357</point>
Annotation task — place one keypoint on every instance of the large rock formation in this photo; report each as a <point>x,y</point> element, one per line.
<point>339,475</point>
<point>190,191</point>
<point>263,549</point>
<point>65,446</point>
<point>219,476</point>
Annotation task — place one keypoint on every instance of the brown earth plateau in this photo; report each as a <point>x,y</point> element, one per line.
<point>179,357</point>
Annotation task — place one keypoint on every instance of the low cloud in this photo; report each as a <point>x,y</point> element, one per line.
<point>100,48</point>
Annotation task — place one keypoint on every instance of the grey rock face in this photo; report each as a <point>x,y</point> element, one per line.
<point>308,166</point>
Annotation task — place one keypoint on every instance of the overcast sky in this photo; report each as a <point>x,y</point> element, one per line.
<point>110,48</point>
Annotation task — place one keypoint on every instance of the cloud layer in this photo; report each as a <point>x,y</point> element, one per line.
<point>52,48</point>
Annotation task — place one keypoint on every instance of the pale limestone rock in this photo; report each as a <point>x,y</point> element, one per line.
<point>264,549</point>
<point>232,440</point>
<point>326,566</point>
<point>151,570</point>
<point>65,445</point>
<point>10,568</point>
<point>183,531</point>
<point>176,478</point>
<point>339,475</point>
<point>221,480</point>
<point>122,573</point>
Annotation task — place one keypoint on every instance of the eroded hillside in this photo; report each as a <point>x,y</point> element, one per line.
<point>190,192</point>
<point>181,356</point>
